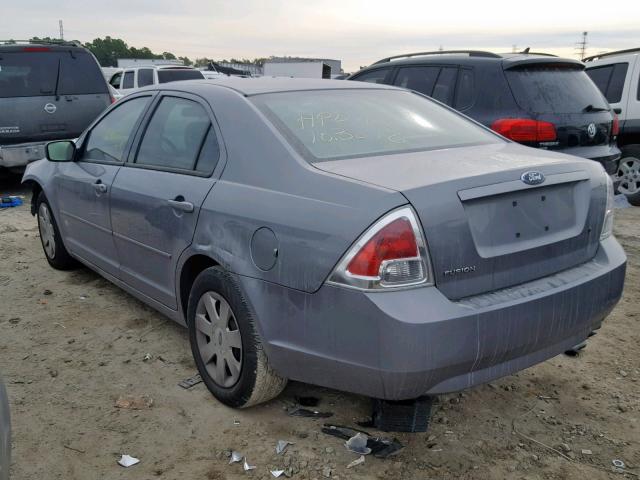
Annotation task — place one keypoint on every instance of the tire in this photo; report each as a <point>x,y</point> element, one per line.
<point>52,245</point>
<point>233,366</point>
<point>629,174</point>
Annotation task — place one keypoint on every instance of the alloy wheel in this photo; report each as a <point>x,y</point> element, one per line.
<point>219,340</point>
<point>629,176</point>
<point>47,234</point>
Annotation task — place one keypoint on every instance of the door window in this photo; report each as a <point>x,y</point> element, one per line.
<point>420,79</point>
<point>127,81</point>
<point>610,80</point>
<point>376,76</point>
<point>445,85</point>
<point>175,135</point>
<point>115,80</point>
<point>145,77</point>
<point>465,92</point>
<point>108,139</point>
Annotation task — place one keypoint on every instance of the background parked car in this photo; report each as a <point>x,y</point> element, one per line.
<point>48,91</point>
<point>617,75</point>
<point>130,79</point>
<point>538,100</point>
<point>5,434</point>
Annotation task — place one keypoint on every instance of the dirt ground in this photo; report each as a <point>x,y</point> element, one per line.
<point>71,344</point>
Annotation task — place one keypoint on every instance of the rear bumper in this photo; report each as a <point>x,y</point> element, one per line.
<point>20,155</point>
<point>403,344</point>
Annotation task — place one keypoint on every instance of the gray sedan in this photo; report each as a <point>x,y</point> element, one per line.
<point>349,235</point>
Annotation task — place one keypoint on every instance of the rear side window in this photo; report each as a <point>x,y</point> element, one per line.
<point>165,76</point>
<point>465,92</point>
<point>127,80</point>
<point>145,77</point>
<point>108,139</point>
<point>554,89</point>
<point>115,80</point>
<point>32,74</point>
<point>336,124</point>
<point>175,135</point>
<point>375,76</point>
<point>445,85</point>
<point>610,80</point>
<point>420,79</point>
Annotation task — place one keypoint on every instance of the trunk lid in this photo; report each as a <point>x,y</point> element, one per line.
<point>48,94</point>
<point>486,229</point>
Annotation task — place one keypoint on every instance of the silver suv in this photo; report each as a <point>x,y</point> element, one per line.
<point>48,91</point>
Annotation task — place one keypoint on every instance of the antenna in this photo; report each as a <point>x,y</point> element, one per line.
<point>61,30</point>
<point>581,46</point>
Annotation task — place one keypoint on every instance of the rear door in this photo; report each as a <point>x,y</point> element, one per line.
<point>48,94</point>
<point>564,95</point>
<point>157,195</point>
<point>83,187</point>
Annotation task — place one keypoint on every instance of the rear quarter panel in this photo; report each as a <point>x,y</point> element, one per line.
<point>314,216</point>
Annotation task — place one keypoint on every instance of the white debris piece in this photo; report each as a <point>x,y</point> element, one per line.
<point>358,444</point>
<point>356,462</point>
<point>248,467</point>
<point>277,473</point>
<point>128,461</point>
<point>282,445</point>
<point>235,457</point>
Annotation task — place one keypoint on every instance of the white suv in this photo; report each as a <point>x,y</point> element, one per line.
<point>130,79</point>
<point>617,75</point>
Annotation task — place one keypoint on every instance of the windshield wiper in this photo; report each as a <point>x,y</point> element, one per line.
<point>591,108</point>
<point>55,92</point>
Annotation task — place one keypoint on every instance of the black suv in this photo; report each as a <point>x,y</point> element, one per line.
<point>535,99</point>
<point>48,91</point>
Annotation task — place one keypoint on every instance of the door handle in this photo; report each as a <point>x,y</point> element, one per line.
<point>180,204</point>
<point>100,187</point>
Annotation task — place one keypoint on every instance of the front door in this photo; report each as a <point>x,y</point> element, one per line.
<point>83,187</point>
<point>156,197</point>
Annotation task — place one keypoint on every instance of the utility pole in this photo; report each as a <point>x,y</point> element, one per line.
<point>61,30</point>
<point>581,46</point>
<point>514,49</point>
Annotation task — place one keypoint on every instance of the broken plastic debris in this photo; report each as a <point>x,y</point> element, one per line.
<point>235,457</point>
<point>236,422</point>
<point>190,382</point>
<point>303,412</point>
<point>247,467</point>
<point>277,473</point>
<point>282,445</point>
<point>356,462</point>
<point>618,463</point>
<point>380,447</point>
<point>128,461</point>
<point>358,444</point>
<point>147,357</point>
<point>586,451</point>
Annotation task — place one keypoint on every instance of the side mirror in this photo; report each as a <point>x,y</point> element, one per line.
<point>618,110</point>
<point>63,151</point>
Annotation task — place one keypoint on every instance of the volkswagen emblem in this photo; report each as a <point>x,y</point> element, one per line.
<point>50,108</point>
<point>591,130</point>
<point>532,178</point>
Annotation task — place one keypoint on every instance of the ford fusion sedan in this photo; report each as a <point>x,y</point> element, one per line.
<point>344,234</point>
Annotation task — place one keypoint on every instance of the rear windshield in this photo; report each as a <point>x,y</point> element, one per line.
<point>32,74</point>
<point>554,89</point>
<point>165,76</point>
<point>335,124</point>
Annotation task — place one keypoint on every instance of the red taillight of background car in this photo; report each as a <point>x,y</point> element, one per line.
<point>394,241</point>
<point>36,49</point>
<point>113,99</point>
<point>615,125</point>
<point>525,130</point>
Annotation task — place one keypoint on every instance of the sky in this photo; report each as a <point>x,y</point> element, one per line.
<point>358,32</point>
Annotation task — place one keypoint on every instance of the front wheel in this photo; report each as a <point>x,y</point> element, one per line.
<point>226,345</point>
<point>55,251</point>
<point>629,174</point>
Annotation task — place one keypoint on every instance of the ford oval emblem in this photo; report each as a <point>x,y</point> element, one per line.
<point>532,178</point>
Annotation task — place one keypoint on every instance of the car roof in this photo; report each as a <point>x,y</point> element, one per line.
<point>31,47</point>
<point>259,85</point>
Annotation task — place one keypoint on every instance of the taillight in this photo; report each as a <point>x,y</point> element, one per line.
<point>525,129</point>
<point>392,253</point>
<point>36,49</point>
<point>615,125</point>
<point>113,99</point>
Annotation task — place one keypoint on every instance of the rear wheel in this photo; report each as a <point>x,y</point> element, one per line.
<point>226,345</point>
<point>55,251</point>
<point>629,174</point>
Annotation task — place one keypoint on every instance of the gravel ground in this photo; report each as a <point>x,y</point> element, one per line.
<point>72,344</point>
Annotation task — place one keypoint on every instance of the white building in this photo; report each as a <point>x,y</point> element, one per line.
<point>143,62</point>
<point>302,67</point>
